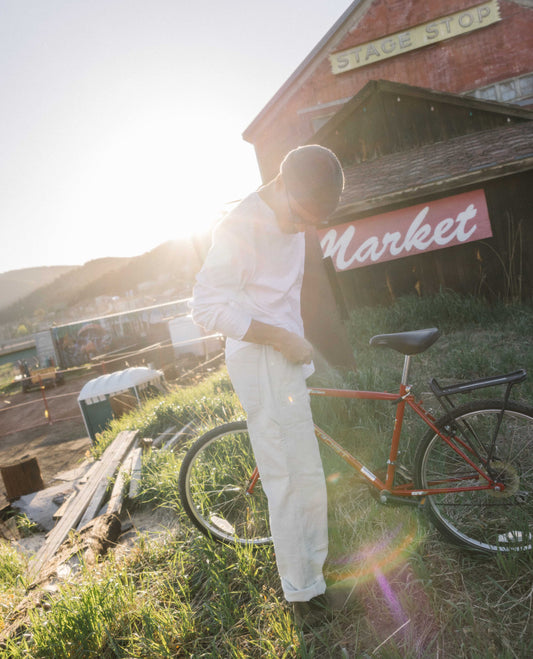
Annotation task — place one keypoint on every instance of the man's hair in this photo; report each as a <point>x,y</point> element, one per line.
<point>313,176</point>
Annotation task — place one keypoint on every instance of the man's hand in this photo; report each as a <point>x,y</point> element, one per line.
<point>294,348</point>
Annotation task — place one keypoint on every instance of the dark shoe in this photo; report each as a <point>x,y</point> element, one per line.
<point>341,596</point>
<point>312,613</point>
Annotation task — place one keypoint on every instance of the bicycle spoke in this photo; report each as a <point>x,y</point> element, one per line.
<point>214,486</point>
<point>485,519</point>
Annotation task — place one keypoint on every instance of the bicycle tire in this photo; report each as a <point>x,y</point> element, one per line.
<point>487,521</point>
<point>213,483</point>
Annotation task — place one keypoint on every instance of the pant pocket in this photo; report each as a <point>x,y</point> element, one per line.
<point>245,377</point>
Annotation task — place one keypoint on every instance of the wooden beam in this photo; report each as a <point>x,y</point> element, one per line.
<point>112,456</point>
<point>98,496</point>
<point>117,494</point>
<point>136,471</point>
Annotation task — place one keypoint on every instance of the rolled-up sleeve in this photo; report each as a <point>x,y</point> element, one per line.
<point>215,301</point>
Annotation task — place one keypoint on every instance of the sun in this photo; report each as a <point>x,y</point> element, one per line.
<point>158,178</point>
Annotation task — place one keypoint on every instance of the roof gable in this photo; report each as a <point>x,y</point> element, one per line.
<point>388,117</point>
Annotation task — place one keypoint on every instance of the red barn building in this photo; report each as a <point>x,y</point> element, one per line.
<point>429,106</point>
<point>460,46</point>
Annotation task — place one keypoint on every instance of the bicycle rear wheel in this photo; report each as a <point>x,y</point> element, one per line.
<point>214,486</point>
<point>483,520</point>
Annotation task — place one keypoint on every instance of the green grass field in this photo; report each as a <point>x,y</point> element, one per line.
<point>187,597</point>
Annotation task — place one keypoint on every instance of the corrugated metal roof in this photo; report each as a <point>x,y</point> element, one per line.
<point>119,381</point>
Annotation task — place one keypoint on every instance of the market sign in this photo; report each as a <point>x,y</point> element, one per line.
<point>419,36</point>
<point>414,230</point>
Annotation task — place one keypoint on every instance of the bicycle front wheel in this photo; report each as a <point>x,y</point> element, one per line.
<point>501,446</point>
<point>217,489</point>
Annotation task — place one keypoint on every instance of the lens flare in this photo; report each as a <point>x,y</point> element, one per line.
<point>332,479</point>
<point>395,600</point>
<point>378,558</point>
<point>392,601</point>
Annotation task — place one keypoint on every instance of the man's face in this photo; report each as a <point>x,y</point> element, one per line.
<point>297,218</point>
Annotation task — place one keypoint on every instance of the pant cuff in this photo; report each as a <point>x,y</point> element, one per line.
<point>305,594</point>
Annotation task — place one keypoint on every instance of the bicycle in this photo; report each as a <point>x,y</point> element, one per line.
<point>473,469</point>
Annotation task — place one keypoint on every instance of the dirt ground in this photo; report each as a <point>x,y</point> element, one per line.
<point>60,447</point>
<point>25,431</point>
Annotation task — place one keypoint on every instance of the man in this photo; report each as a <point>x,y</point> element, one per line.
<point>249,290</point>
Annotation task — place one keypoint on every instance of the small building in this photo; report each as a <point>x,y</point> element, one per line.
<point>81,341</point>
<point>44,345</point>
<point>188,339</point>
<point>109,396</point>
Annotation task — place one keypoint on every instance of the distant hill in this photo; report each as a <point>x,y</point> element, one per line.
<point>57,294</point>
<point>173,264</point>
<point>17,284</point>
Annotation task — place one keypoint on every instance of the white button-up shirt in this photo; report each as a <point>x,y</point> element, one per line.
<point>252,271</point>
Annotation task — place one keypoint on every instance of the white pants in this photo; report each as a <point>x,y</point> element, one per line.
<point>274,395</point>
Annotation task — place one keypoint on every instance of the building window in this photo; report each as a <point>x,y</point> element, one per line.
<point>526,86</point>
<point>508,91</point>
<point>514,90</point>
<point>487,94</point>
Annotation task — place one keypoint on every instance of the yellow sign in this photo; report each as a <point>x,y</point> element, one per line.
<point>419,36</point>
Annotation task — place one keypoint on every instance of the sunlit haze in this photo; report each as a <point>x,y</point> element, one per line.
<point>121,120</point>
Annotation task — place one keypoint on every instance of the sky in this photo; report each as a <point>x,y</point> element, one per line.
<point>121,120</point>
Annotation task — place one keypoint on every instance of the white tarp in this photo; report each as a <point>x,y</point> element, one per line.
<point>114,383</point>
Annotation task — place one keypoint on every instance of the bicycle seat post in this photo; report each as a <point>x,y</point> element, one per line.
<point>406,366</point>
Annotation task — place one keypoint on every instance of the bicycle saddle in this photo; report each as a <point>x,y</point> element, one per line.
<point>408,343</point>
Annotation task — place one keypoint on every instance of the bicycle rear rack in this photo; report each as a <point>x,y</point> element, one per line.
<point>473,440</point>
<point>509,379</point>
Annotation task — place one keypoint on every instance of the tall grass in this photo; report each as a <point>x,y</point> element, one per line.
<point>183,596</point>
<point>477,339</point>
<point>12,569</point>
<point>205,405</point>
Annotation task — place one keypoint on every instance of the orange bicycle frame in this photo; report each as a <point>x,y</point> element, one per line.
<point>404,490</point>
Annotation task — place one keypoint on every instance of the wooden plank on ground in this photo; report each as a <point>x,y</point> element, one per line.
<point>108,463</point>
<point>77,486</point>
<point>136,470</point>
<point>98,497</point>
<point>66,503</point>
<point>117,494</point>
